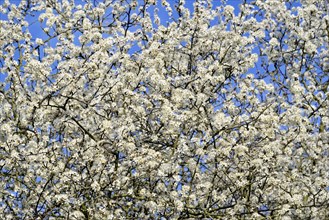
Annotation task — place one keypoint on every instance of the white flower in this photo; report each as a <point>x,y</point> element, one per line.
<point>199,151</point>
<point>179,205</point>
<point>39,41</point>
<point>86,24</point>
<point>95,186</point>
<point>229,10</point>
<point>151,205</point>
<point>107,124</point>
<point>77,214</point>
<point>241,149</point>
<point>310,47</point>
<point>274,42</point>
<point>286,217</point>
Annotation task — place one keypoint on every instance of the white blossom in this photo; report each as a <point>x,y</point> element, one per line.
<point>152,109</point>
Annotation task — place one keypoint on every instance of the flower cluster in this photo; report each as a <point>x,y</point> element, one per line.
<point>109,112</point>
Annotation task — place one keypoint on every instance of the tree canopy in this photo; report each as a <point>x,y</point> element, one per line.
<point>149,109</point>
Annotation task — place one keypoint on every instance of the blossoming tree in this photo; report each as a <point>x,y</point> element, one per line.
<point>121,112</point>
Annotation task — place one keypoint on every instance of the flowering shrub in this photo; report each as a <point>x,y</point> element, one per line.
<point>116,111</point>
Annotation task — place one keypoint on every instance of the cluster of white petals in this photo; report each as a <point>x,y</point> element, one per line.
<point>164,109</point>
